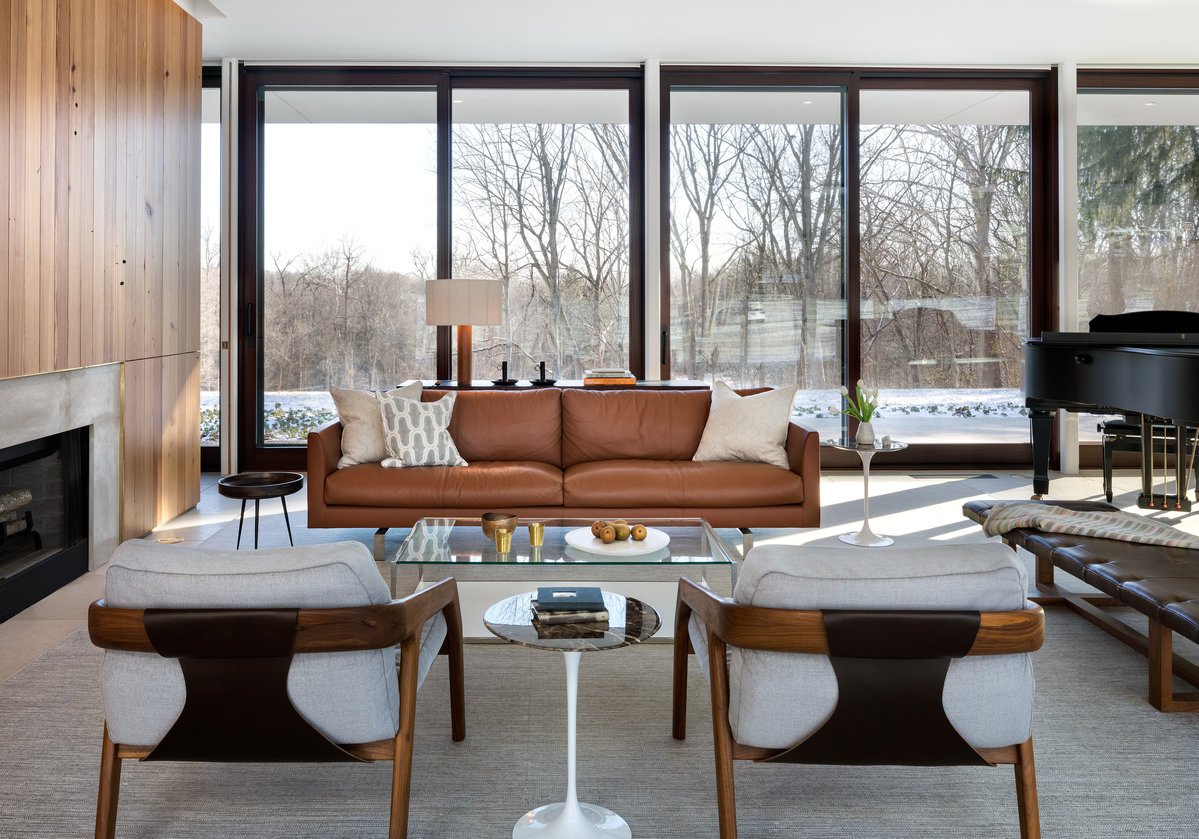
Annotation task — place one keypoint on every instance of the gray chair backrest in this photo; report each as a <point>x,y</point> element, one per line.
<point>779,699</point>
<point>350,697</point>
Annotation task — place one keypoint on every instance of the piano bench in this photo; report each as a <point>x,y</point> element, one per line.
<point>1160,583</point>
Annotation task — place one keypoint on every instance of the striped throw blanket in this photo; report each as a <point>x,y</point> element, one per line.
<point>1102,524</point>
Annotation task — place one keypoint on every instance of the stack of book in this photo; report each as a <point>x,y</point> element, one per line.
<point>566,604</point>
<point>601,376</point>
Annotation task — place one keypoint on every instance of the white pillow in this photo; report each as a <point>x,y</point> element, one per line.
<point>752,428</point>
<point>418,433</point>
<point>362,424</point>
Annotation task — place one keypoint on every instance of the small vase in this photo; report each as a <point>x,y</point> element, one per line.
<point>865,434</point>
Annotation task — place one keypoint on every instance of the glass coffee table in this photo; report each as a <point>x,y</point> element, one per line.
<point>443,547</point>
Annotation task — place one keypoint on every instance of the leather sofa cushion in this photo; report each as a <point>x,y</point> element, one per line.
<point>485,484</point>
<point>632,424</point>
<point>506,425</point>
<point>679,483</point>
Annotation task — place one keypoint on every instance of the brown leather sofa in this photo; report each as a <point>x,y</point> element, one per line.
<point>571,453</point>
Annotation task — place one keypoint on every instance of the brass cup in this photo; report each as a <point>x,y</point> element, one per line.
<point>536,534</point>
<point>503,540</point>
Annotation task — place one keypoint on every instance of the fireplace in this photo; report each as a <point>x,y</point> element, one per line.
<point>43,517</point>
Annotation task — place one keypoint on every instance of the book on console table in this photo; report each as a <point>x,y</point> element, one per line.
<point>608,376</point>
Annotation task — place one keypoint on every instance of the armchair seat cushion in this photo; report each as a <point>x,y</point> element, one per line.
<point>779,699</point>
<point>350,697</point>
<point>680,483</point>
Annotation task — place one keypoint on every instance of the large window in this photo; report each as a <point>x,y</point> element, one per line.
<point>945,262</point>
<point>210,271</point>
<point>349,237</point>
<point>826,226</point>
<point>755,239</point>
<point>359,184</point>
<point>541,203</point>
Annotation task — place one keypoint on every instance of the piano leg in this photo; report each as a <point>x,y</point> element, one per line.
<point>1042,433</point>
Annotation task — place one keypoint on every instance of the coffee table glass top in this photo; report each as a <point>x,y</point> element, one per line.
<point>447,541</point>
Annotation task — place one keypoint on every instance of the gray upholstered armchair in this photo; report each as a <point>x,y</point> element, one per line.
<point>288,655</point>
<point>858,656</point>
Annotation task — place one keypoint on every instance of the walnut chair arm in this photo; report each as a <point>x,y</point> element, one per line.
<point>343,629</point>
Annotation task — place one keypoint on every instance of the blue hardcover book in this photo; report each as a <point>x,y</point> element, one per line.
<point>570,599</point>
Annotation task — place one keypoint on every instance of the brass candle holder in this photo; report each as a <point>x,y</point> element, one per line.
<point>536,534</point>
<point>503,540</point>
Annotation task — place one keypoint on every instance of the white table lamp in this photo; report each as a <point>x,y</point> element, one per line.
<point>464,303</point>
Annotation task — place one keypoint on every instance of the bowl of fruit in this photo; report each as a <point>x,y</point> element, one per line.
<point>618,538</point>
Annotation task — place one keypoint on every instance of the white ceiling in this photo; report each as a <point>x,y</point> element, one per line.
<point>801,32</point>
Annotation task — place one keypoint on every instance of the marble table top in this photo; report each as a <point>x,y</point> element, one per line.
<point>630,621</point>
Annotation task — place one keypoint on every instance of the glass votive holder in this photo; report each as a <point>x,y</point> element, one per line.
<point>503,541</point>
<point>536,534</point>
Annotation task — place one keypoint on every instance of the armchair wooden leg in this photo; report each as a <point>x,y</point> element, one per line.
<point>457,668</point>
<point>110,789</point>
<point>1026,792</point>
<point>682,650</point>
<point>722,737</point>
<point>401,772</point>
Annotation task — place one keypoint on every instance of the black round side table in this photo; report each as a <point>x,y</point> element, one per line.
<point>257,486</point>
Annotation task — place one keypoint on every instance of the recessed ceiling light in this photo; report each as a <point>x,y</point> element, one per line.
<point>1150,104</point>
<point>807,101</point>
<point>457,101</point>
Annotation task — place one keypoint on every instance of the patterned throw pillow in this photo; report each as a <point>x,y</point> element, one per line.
<point>750,428</point>
<point>417,433</point>
<point>361,426</point>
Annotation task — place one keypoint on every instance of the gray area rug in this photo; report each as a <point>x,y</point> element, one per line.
<point>1108,765</point>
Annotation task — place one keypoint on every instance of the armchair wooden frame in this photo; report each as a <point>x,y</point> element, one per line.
<point>803,631</point>
<point>348,629</point>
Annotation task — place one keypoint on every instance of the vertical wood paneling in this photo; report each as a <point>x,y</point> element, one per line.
<point>162,424</point>
<point>99,135</point>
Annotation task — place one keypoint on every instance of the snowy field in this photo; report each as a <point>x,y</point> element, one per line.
<point>911,415</point>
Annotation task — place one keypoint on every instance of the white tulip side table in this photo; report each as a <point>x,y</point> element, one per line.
<point>629,622</point>
<point>866,537</point>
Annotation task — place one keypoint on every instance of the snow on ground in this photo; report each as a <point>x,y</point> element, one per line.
<point>914,415</point>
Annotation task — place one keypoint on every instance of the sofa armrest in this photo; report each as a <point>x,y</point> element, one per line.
<point>803,456</point>
<point>324,450</point>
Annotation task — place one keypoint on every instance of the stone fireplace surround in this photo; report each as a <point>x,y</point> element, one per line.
<point>51,403</point>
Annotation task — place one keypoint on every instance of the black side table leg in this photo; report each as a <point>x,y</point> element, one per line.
<point>240,521</point>
<point>287,521</point>
<point>256,503</point>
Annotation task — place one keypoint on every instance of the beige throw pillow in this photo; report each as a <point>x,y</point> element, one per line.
<point>418,433</point>
<point>362,423</point>
<point>752,428</point>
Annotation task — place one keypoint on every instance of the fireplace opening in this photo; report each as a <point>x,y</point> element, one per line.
<point>43,518</point>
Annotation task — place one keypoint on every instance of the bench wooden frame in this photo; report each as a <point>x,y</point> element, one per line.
<point>348,629</point>
<point>802,631</point>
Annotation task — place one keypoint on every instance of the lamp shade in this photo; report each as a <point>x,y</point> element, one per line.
<point>461,302</point>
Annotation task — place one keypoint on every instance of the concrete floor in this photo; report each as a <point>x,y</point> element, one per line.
<point>911,507</point>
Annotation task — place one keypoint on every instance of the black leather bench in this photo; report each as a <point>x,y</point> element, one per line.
<point>1161,583</point>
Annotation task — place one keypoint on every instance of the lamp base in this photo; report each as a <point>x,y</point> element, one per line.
<point>466,355</point>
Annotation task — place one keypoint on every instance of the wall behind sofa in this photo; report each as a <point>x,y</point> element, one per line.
<point>99,245</point>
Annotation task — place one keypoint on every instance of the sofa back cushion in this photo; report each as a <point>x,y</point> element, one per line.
<point>632,424</point>
<point>506,425</point>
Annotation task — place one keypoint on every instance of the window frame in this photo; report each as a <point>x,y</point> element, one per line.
<point>210,455</point>
<point>252,453</point>
<point>1041,86</point>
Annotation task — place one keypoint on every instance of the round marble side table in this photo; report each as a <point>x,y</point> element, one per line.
<point>630,622</point>
<point>866,537</point>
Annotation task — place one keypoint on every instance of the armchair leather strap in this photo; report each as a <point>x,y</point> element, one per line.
<point>890,669</point>
<point>235,664</point>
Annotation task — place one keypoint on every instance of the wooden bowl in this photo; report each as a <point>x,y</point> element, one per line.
<point>496,521</point>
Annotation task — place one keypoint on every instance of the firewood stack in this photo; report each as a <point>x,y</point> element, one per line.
<point>14,518</point>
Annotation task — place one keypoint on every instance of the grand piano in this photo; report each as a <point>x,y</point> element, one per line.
<point>1143,363</point>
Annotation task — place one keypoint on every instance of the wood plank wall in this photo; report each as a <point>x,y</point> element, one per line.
<point>99,245</point>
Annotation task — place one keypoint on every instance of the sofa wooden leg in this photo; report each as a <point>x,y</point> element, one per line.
<point>457,668</point>
<point>682,650</point>
<point>1161,672</point>
<point>110,789</point>
<point>1026,792</point>
<point>401,772</point>
<point>722,737</point>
